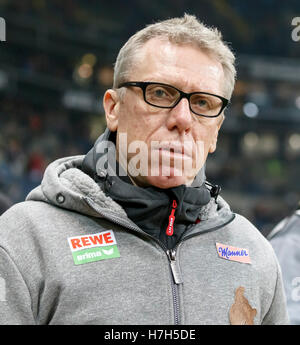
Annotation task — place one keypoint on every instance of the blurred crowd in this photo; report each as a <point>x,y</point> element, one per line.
<point>253,27</point>
<point>30,138</point>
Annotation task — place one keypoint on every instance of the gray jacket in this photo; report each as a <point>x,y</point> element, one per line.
<point>70,255</point>
<point>285,239</point>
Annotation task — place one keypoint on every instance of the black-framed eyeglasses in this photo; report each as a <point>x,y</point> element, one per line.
<point>167,96</point>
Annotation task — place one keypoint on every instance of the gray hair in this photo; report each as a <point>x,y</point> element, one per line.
<point>184,30</point>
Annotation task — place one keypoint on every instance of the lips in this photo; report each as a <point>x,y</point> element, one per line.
<point>185,148</point>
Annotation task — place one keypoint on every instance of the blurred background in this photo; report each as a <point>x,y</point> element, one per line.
<point>57,62</point>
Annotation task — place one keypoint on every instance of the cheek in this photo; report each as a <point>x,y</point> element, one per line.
<point>203,134</point>
<point>133,127</point>
<point>128,121</point>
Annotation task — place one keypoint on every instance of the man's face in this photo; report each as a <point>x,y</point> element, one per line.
<point>177,141</point>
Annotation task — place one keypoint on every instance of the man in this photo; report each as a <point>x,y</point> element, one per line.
<point>131,233</point>
<point>285,239</point>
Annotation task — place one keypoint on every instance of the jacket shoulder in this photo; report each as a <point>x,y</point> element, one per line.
<point>23,213</point>
<point>247,233</point>
<point>24,220</point>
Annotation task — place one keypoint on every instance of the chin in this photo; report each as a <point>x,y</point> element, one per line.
<point>165,182</point>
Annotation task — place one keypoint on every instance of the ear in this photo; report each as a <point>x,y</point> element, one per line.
<point>111,104</point>
<point>213,143</point>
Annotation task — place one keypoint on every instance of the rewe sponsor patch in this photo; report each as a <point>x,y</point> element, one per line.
<point>94,247</point>
<point>233,253</point>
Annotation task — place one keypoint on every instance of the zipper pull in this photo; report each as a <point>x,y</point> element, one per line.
<point>174,267</point>
<point>170,227</point>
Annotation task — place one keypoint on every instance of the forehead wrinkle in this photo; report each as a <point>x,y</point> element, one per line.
<point>181,82</point>
<point>167,54</point>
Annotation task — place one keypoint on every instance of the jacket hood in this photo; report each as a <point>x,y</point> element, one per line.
<point>65,185</point>
<point>81,184</point>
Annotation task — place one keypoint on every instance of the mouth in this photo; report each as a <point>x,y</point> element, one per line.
<point>174,148</point>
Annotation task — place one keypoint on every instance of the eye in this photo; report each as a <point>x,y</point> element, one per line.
<point>161,95</point>
<point>206,104</point>
<point>202,103</point>
<point>159,92</point>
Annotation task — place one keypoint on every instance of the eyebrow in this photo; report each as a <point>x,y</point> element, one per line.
<point>193,89</point>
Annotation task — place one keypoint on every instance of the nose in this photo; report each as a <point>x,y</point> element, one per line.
<point>180,117</point>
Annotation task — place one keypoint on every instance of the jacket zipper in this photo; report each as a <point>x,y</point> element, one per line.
<point>171,254</point>
<point>176,278</point>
